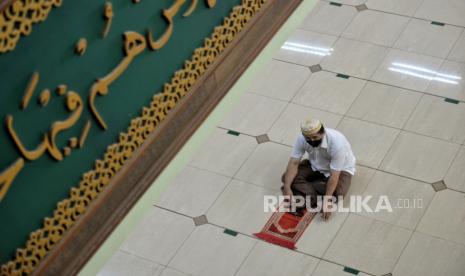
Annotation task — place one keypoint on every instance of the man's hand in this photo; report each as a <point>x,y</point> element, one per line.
<point>287,192</point>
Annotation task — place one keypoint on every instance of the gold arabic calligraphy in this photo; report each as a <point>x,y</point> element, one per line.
<point>134,44</point>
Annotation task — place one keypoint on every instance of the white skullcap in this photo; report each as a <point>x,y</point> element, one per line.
<point>310,126</point>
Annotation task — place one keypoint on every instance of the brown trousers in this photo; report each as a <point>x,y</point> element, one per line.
<point>313,183</point>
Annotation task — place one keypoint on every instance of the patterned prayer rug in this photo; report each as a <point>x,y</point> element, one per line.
<point>285,229</point>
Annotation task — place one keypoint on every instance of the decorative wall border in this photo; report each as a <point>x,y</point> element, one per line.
<point>94,182</point>
<point>17,17</point>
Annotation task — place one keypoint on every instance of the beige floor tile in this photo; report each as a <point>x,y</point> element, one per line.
<point>266,165</point>
<point>457,53</point>
<point>368,245</point>
<point>325,268</point>
<point>422,37</point>
<point>395,6</point>
<point>271,260</point>
<point>419,157</point>
<point>172,272</point>
<point>280,80</point>
<point>306,48</point>
<point>319,234</point>
<point>408,199</point>
<point>124,264</point>
<point>455,178</point>
<point>447,11</point>
<point>408,70</point>
<point>253,114</point>
<point>328,19</point>
<point>241,208</point>
<point>437,118</point>
<point>354,58</point>
<point>224,153</point>
<point>384,104</point>
<point>376,27</point>
<point>326,91</point>
<point>209,251</point>
<point>192,192</point>
<point>429,256</point>
<point>370,142</point>
<point>157,241</point>
<point>451,83</point>
<point>287,127</point>
<point>445,217</point>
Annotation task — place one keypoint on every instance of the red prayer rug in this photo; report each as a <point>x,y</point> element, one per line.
<point>285,229</point>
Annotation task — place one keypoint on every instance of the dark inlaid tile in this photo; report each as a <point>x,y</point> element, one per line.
<point>449,100</point>
<point>351,270</point>
<point>262,138</point>
<point>439,186</point>
<point>343,76</point>
<point>335,4</point>
<point>361,7</point>
<point>201,220</point>
<point>230,232</point>
<point>232,132</point>
<point>437,23</point>
<point>315,68</point>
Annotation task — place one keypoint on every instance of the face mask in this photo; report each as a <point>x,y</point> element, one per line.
<point>314,143</point>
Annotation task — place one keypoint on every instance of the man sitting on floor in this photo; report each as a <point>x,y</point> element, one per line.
<point>330,167</point>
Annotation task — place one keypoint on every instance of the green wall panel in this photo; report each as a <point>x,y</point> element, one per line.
<point>49,49</point>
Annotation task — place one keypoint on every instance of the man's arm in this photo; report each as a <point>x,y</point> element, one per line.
<point>330,188</point>
<point>332,182</point>
<point>291,172</point>
<point>293,165</point>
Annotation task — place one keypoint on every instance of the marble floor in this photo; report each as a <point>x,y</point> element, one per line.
<point>388,74</point>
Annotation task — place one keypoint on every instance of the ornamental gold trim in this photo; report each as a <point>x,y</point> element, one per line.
<point>93,182</point>
<point>17,19</point>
